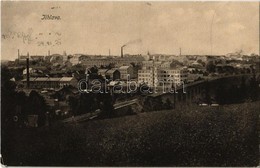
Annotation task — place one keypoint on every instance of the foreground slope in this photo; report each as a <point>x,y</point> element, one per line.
<point>192,136</point>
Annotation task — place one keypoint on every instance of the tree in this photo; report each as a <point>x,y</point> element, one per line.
<point>168,104</point>
<point>85,103</point>
<point>201,62</point>
<point>253,91</point>
<point>94,69</point>
<point>221,93</point>
<point>157,104</point>
<point>107,106</point>
<point>211,67</point>
<point>243,89</point>
<point>7,98</point>
<point>73,102</point>
<point>207,98</point>
<point>176,63</point>
<point>21,100</point>
<point>130,111</point>
<point>36,105</point>
<point>147,105</point>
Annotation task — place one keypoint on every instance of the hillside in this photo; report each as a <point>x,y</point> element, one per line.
<point>193,136</point>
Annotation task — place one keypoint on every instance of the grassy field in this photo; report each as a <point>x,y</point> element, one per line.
<point>192,136</point>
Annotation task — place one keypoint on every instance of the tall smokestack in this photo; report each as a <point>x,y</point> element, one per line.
<point>49,53</point>
<point>122,51</point>
<point>27,71</point>
<point>18,55</point>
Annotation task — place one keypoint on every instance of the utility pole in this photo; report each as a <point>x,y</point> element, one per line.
<point>153,70</point>
<point>27,71</point>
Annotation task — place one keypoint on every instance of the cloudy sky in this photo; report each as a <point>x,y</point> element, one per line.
<point>160,27</point>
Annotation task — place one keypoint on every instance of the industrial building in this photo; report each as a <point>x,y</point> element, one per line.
<point>47,82</point>
<point>126,72</point>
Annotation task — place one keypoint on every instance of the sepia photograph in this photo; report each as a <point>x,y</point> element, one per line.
<point>130,83</point>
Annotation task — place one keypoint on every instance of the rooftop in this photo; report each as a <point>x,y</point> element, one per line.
<point>44,79</point>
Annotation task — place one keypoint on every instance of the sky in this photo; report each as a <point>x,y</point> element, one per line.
<point>158,27</point>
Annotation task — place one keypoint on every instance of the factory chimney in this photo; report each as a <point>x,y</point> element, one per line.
<point>122,51</point>
<point>49,53</point>
<point>18,55</point>
<point>180,51</point>
<point>27,71</point>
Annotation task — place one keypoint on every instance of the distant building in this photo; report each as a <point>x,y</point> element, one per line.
<point>22,59</point>
<point>151,64</point>
<point>74,60</point>
<point>37,58</point>
<point>98,62</point>
<point>78,58</point>
<point>101,61</point>
<point>33,72</point>
<point>203,58</point>
<point>102,72</point>
<point>112,74</point>
<point>160,57</point>
<point>55,58</point>
<point>166,64</point>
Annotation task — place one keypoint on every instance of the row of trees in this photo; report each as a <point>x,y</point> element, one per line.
<point>156,104</point>
<point>16,106</point>
<point>212,68</point>
<point>238,93</point>
<point>89,102</point>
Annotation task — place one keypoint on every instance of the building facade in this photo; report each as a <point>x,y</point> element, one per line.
<point>154,77</point>
<point>126,72</point>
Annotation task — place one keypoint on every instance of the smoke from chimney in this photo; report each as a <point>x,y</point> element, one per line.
<point>133,42</point>
<point>129,43</point>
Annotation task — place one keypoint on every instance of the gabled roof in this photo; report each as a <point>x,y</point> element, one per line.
<point>111,71</point>
<point>31,79</point>
<point>123,67</point>
<point>66,79</point>
<point>42,79</point>
<point>102,71</point>
<point>54,79</point>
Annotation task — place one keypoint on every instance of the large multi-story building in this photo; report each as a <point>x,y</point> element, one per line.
<point>146,76</point>
<point>154,77</point>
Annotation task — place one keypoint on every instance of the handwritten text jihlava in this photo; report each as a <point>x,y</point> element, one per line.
<point>50,17</point>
